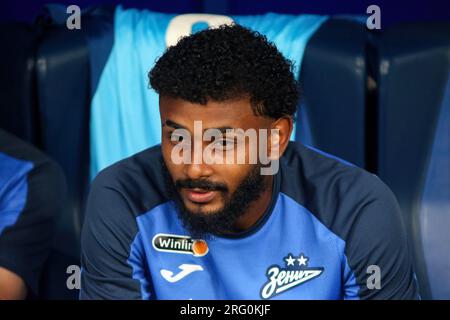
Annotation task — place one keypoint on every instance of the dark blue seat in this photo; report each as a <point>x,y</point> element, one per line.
<point>414,146</point>
<point>63,75</point>
<point>18,107</point>
<point>64,99</point>
<point>333,76</point>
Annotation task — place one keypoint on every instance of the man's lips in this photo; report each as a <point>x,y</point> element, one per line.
<point>199,195</point>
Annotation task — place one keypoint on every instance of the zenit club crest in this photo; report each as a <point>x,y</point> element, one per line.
<point>296,272</point>
<point>180,244</point>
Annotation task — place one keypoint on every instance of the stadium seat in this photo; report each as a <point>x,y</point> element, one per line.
<point>333,76</point>
<point>413,142</point>
<point>64,91</point>
<point>64,96</point>
<point>18,107</point>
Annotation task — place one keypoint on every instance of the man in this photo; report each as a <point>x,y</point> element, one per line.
<point>174,222</point>
<point>32,190</point>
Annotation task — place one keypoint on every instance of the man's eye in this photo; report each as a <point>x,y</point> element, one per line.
<point>177,138</point>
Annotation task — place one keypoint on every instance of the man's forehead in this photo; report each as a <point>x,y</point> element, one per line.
<point>175,125</point>
<point>239,105</point>
<point>215,114</point>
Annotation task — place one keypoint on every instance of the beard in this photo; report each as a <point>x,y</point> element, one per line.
<point>201,225</point>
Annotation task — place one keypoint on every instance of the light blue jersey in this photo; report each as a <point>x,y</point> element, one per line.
<point>328,224</point>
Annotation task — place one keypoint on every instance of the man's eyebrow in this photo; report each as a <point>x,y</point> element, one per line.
<point>221,129</point>
<point>173,124</point>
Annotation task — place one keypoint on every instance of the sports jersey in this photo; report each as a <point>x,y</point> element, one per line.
<point>329,229</point>
<point>31,195</point>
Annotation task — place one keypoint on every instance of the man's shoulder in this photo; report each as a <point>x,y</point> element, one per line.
<point>334,190</point>
<point>361,210</point>
<point>20,160</point>
<point>308,165</point>
<point>139,179</point>
<point>148,160</point>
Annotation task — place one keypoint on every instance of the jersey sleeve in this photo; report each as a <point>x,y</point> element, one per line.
<point>29,203</point>
<point>379,257</point>
<point>111,269</point>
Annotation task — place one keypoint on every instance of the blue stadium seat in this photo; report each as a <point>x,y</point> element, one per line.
<point>333,76</point>
<point>64,96</point>
<point>414,147</point>
<point>18,107</point>
<point>64,91</point>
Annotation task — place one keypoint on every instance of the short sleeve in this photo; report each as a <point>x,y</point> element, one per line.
<point>377,250</point>
<point>30,200</point>
<point>109,264</point>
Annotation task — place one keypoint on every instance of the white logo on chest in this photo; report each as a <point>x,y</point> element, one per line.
<point>186,269</point>
<point>281,279</point>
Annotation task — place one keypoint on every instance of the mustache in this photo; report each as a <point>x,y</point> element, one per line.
<point>201,184</point>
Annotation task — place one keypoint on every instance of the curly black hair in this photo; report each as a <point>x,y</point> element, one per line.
<point>228,62</point>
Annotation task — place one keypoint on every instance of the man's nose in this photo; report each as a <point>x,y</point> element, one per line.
<point>197,170</point>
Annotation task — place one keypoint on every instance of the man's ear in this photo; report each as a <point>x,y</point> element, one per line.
<point>279,137</point>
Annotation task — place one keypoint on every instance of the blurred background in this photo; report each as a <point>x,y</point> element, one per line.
<point>376,97</point>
